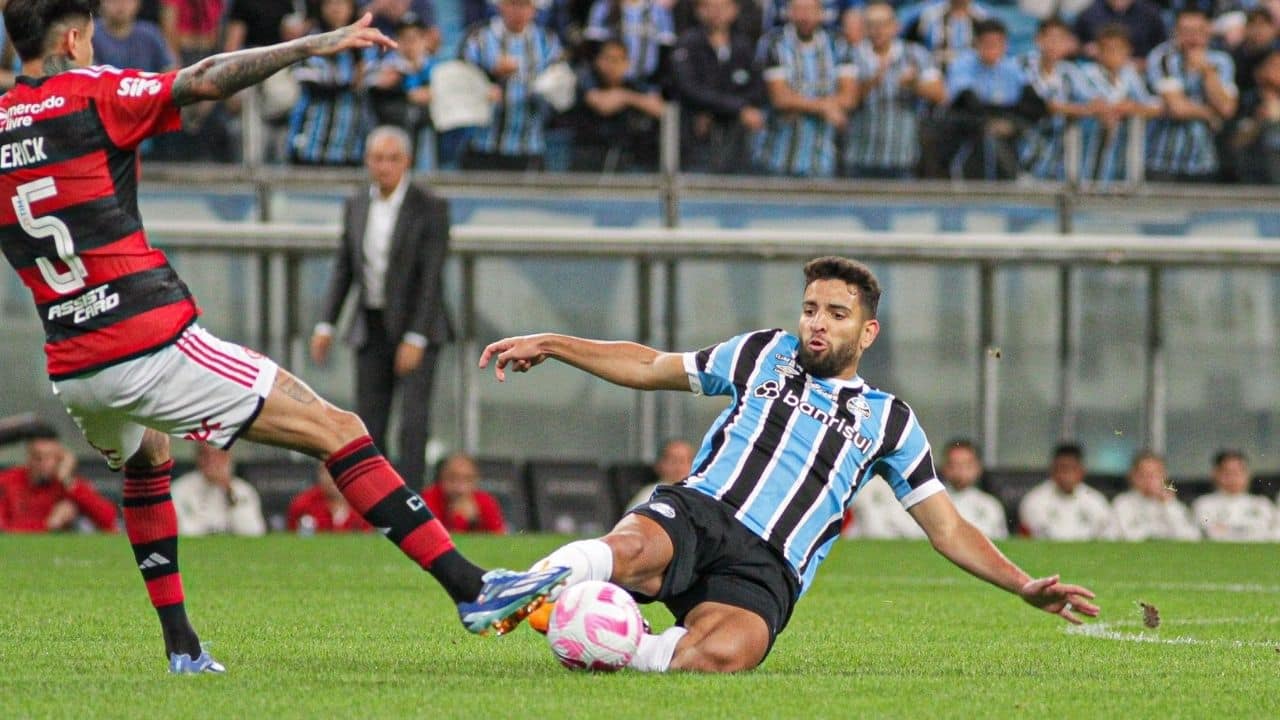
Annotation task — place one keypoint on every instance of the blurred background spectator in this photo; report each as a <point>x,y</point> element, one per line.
<point>1140,17</point>
<point>211,500</point>
<point>897,83</point>
<point>512,51</point>
<point>811,88</point>
<point>673,465</point>
<point>455,498</point>
<point>615,119</point>
<point>1231,512</point>
<point>714,76</point>
<point>1063,507</point>
<point>1150,509</point>
<point>399,82</point>
<point>1255,138</point>
<point>322,508</point>
<point>946,27</point>
<point>122,40</point>
<point>46,495</point>
<point>961,470</point>
<point>192,27</point>
<point>645,27</point>
<point>328,124</point>
<point>1117,93</point>
<point>1065,92</point>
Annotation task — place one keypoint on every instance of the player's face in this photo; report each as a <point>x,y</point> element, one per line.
<point>1232,476</point>
<point>43,457</point>
<point>1067,472</point>
<point>834,329</point>
<point>962,468</point>
<point>1148,478</point>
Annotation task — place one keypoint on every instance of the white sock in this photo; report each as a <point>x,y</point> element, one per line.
<point>586,560</point>
<point>655,651</point>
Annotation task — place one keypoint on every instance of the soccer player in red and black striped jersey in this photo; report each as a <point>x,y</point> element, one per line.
<point>125,353</point>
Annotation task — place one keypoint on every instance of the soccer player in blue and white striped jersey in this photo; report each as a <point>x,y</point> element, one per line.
<point>732,548</point>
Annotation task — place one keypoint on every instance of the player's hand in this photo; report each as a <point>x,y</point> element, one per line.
<point>408,358</point>
<point>521,353</point>
<point>356,36</point>
<point>1059,599</point>
<point>320,344</point>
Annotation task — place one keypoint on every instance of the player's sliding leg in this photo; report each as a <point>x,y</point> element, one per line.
<point>715,638</point>
<point>294,417</point>
<point>152,526</point>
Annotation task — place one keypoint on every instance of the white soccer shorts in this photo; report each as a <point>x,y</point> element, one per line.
<point>197,388</point>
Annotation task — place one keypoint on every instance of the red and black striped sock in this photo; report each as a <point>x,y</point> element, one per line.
<point>152,525</point>
<point>377,492</point>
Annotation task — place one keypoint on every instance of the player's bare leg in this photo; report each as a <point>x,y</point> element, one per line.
<point>152,526</point>
<point>719,638</point>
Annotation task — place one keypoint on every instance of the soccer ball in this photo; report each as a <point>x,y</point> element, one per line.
<point>595,626</point>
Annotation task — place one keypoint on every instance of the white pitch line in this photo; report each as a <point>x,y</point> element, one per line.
<point>1105,631</point>
<point>1174,586</point>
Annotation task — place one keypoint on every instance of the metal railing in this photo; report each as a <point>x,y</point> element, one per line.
<point>657,254</point>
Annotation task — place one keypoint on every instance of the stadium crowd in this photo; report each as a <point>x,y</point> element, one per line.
<point>809,88</point>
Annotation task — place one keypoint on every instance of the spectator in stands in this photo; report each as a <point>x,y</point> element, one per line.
<point>897,82</point>
<point>513,51</point>
<point>1065,92</point>
<point>644,26</point>
<point>1140,17</point>
<point>460,505</point>
<point>1118,92</point>
<point>122,40</point>
<point>961,471</point>
<point>1231,512</point>
<point>673,465</point>
<point>878,515</point>
<point>388,15</point>
<point>615,119</point>
<point>46,494</point>
<point>715,78</point>
<point>946,28</point>
<point>1198,87</point>
<point>327,125</point>
<point>748,18</point>
<point>1063,507</point>
<point>811,89</point>
<point>191,27</point>
<point>211,500</point>
<point>1261,36</point>
<point>400,81</point>
<point>1256,137</point>
<point>989,105</point>
<point>256,23</point>
<point>322,508</point>
<point>1150,509</point>
<point>853,26</point>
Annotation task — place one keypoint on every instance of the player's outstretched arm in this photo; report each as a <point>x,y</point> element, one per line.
<point>622,363</point>
<point>963,544</point>
<point>221,76</point>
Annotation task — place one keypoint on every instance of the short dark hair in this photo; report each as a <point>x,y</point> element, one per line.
<point>963,444</point>
<point>990,25</point>
<point>1068,449</point>
<point>612,41</point>
<point>1115,31</point>
<point>29,22</point>
<point>1049,23</point>
<point>1229,454</point>
<point>852,272</point>
<point>42,431</point>
<point>1190,10</point>
<point>1259,14</point>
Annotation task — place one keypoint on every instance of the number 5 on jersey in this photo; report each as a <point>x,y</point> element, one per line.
<point>49,227</point>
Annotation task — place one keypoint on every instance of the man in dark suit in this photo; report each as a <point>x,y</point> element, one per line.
<point>394,239</point>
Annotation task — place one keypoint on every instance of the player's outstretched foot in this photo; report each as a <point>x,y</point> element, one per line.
<point>508,597</point>
<point>182,664</point>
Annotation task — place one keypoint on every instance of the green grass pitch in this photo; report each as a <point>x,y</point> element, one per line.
<point>344,627</point>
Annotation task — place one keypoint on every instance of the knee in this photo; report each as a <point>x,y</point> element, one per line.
<point>718,654</point>
<point>628,548</point>
<point>347,426</point>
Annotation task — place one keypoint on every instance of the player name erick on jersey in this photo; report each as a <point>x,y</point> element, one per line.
<point>69,221</point>
<point>791,450</point>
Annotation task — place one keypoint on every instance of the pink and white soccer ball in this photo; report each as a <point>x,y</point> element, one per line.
<point>595,626</point>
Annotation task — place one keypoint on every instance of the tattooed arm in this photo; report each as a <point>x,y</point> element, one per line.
<point>221,76</point>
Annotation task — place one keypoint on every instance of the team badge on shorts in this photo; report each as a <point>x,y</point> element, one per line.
<point>663,509</point>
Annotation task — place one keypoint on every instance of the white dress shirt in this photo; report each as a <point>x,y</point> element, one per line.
<point>381,222</point>
<point>1139,517</point>
<point>982,509</point>
<point>1051,514</point>
<point>1239,518</point>
<point>206,509</point>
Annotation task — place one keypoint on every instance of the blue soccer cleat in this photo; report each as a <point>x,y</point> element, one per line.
<point>508,597</point>
<point>182,664</point>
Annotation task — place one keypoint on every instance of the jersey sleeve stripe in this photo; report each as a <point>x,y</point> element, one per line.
<point>924,492</point>
<point>690,361</point>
